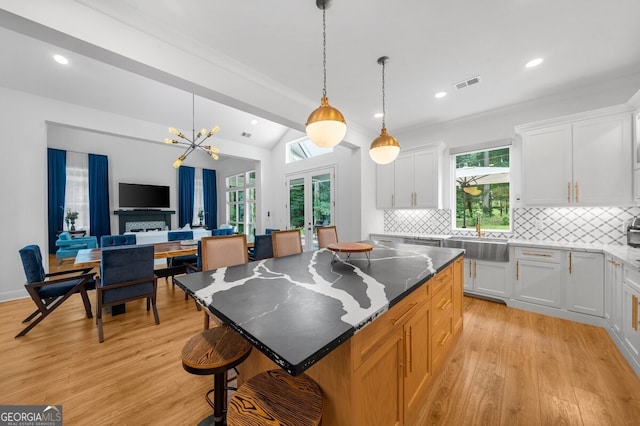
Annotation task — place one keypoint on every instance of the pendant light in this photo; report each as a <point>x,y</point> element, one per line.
<point>385,148</point>
<point>325,126</point>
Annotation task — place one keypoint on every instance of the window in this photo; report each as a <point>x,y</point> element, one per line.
<point>198,198</point>
<point>77,189</point>
<point>303,149</point>
<point>482,189</point>
<point>241,202</point>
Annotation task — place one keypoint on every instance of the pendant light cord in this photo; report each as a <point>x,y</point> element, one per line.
<point>384,112</point>
<point>193,118</point>
<point>324,52</point>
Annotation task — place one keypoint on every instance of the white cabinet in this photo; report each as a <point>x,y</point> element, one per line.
<point>630,311</point>
<point>613,294</point>
<point>585,283</point>
<point>488,278</point>
<point>539,276</point>
<point>384,186</point>
<point>411,181</point>
<point>586,162</point>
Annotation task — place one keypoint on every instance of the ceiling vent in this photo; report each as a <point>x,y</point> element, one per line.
<point>468,82</point>
<point>246,134</point>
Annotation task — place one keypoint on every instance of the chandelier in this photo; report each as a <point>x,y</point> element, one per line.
<point>196,141</point>
<point>325,126</point>
<point>385,148</point>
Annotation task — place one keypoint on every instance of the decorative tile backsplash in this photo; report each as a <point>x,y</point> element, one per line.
<point>604,225</point>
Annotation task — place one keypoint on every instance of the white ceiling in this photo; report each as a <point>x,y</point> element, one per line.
<point>431,45</point>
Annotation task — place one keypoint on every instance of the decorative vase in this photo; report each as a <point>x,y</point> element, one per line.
<point>73,226</point>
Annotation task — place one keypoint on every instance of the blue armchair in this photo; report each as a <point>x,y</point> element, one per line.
<point>126,273</point>
<point>68,247</point>
<point>117,240</point>
<point>262,248</point>
<point>48,291</point>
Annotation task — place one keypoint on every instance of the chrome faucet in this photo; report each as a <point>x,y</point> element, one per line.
<point>478,231</point>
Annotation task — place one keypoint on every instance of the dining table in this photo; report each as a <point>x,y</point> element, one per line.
<point>163,250</point>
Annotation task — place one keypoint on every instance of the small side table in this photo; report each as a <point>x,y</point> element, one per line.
<point>74,234</point>
<point>350,248</point>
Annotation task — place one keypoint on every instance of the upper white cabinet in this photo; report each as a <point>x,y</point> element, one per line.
<point>582,161</point>
<point>412,181</point>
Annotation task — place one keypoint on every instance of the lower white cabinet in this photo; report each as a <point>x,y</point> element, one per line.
<point>539,276</point>
<point>613,294</point>
<point>585,282</point>
<point>486,277</point>
<point>630,329</point>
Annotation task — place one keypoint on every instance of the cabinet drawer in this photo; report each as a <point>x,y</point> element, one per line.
<point>441,338</point>
<point>442,304</point>
<point>538,254</point>
<point>370,338</point>
<point>632,278</point>
<point>442,279</point>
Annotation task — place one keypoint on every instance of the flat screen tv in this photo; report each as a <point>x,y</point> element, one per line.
<point>134,195</point>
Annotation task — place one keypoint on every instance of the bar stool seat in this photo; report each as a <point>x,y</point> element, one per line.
<point>275,397</point>
<point>214,352</point>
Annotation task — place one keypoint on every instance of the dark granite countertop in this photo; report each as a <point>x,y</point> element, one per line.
<point>298,308</point>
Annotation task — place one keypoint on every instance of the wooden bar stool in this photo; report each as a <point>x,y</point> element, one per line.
<point>215,351</point>
<point>275,397</point>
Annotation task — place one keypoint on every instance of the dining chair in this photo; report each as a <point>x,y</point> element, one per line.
<point>262,247</point>
<point>126,274</point>
<point>326,235</point>
<point>48,291</point>
<point>223,251</point>
<point>177,265</point>
<point>286,243</point>
<point>117,240</point>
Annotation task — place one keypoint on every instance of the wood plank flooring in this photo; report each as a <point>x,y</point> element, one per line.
<point>508,367</point>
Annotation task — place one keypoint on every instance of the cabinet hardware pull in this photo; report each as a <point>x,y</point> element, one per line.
<point>634,312</point>
<point>446,337</point>
<point>392,200</point>
<point>526,253</point>
<point>570,262</point>
<point>395,321</point>
<point>475,269</point>
<point>577,198</point>
<point>404,355</point>
<point>469,269</point>
<point>410,361</point>
<point>568,192</point>
<point>517,270</point>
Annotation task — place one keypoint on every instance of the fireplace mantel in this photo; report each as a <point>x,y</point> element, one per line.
<point>142,215</point>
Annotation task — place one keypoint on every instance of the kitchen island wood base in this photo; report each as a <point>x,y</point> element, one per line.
<point>380,375</point>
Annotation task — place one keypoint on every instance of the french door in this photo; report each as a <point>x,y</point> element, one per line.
<point>310,202</point>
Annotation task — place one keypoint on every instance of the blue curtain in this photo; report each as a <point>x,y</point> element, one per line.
<point>186,189</point>
<point>210,198</point>
<point>99,218</point>
<point>56,182</point>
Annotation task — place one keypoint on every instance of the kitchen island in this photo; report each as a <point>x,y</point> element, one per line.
<point>369,332</point>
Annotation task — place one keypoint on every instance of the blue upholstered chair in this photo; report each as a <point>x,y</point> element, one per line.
<point>117,240</point>
<point>262,247</point>
<point>47,292</point>
<point>126,273</point>
<point>181,260</point>
<point>68,247</point>
<point>268,231</point>
<point>221,231</point>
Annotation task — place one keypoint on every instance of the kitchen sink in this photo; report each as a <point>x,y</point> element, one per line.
<point>492,249</point>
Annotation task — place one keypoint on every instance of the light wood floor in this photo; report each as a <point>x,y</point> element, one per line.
<point>509,367</point>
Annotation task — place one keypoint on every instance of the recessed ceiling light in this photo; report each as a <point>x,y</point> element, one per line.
<point>61,59</point>
<point>534,62</point>
<point>378,115</point>
<point>441,94</point>
<point>254,121</point>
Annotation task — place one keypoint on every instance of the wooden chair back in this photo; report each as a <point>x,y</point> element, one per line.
<point>286,243</point>
<point>326,235</point>
<point>224,250</point>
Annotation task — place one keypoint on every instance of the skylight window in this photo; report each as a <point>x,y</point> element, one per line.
<point>303,149</point>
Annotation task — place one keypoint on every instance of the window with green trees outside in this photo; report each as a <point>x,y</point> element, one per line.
<point>482,181</point>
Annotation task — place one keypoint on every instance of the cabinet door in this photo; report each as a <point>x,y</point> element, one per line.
<point>403,182</point>
<point>547,149</point>
<point>417,364</point>
<point>585,283</point>
<point>384,186</point>
<point>491,278</point>
<point>630,326</point>
<point>425,179</point>
<point>376,404</point>
<point>602,161</point>
<point>613,293</point>
<point>458,303</point>
<point>538,282</point>
<point>468,274</point>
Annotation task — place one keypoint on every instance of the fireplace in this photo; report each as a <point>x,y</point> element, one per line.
<point>143,220</point>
